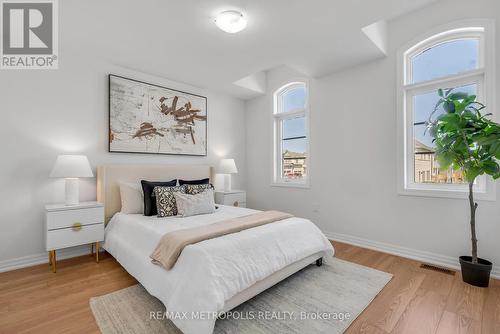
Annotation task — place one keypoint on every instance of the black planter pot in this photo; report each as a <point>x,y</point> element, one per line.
<point>477,274</point>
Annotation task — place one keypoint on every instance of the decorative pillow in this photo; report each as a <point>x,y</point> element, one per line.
<point>149,196</point>
<point>194,189</point>
<point>199,204</point>
<point>165,200</point>
<point>201,181</point>
<point>132,198</point>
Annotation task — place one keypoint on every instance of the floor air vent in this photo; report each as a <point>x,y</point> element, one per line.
<point>438,269</point>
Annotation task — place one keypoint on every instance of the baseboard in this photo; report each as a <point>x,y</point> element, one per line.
<point>410,253</point>
<point>35,259</point>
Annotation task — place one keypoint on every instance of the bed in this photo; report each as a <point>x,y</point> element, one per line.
<point>211,276</point>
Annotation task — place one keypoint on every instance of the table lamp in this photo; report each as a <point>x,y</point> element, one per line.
<point>227,167</point>
<point>71,167</point>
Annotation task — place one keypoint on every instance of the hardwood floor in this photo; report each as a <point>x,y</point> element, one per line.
<point>34,300</point>
<point>423,301</point>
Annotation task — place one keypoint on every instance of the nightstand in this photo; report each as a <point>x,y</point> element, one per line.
<point>73,225</point>
<point>232,198</point>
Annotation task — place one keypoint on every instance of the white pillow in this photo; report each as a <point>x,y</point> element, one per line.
<point>191,205</point>
<point>132,198</point>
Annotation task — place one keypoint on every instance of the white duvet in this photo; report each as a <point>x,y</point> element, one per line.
<point>210,272</point>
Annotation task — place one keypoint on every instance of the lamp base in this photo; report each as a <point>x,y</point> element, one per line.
<point>227,182</point>
<point>72,192</point>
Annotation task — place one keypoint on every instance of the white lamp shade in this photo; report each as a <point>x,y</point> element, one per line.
<point>71,166</point>
<point>227,166</point>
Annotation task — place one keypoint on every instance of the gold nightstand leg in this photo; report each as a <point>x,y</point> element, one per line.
<point>52,260</point>
<point>97,251</point>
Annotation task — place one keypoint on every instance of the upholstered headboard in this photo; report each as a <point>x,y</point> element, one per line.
<point>110,176</point>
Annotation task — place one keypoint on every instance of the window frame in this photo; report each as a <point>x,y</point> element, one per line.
<point>278,119</point>
<point>483,77</point>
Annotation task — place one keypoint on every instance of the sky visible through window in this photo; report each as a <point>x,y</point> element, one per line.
<point>294,99</point>
<point>445,59</point>
<point>294,127</point>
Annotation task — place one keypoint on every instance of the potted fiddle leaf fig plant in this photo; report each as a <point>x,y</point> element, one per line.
<point>469,141</point>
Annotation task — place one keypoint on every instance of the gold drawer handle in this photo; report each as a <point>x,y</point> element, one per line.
<point>76,227</point>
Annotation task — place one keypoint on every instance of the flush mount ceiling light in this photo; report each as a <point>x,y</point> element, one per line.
<point>231,21</point>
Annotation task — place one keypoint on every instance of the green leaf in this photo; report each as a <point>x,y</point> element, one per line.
<point>459,106</point>
<point>449,122</point>
<point>471,98</point>
<point>448,118</point>
<point>472,172</point>
<point>445,159</point>
<point>495,149</point>
<point>458,96</point>
<point>487,140</point>
<point>449,106</point>
<point>490,167</point>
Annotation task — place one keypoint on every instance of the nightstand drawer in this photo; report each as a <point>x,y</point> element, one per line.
<point>69,237</point>
<point>67,218</point>
<point>236,199</point>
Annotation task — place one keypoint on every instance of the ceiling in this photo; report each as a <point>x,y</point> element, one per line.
<point>315,37</point>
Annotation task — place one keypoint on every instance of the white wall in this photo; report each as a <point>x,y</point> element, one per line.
<point>353,155</point>
<point>46,113</point>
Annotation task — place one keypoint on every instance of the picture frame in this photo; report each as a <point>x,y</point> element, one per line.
<point>152,119</point>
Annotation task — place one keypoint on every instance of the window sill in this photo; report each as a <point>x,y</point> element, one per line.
<point>290,185</point>
<point>453,194</point>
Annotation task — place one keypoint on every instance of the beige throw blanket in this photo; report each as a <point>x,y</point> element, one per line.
<point>171,244</point>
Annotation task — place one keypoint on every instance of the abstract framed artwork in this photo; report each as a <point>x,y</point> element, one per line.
<point>146,118</point>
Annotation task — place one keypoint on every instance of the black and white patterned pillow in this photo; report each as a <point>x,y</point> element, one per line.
<point>193,189</point>
<point>165,200</point>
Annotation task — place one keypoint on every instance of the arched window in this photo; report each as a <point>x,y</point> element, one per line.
<point>458,59</point>
<point>291,149</point>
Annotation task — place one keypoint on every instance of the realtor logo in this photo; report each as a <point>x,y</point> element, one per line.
<point>29,34</point>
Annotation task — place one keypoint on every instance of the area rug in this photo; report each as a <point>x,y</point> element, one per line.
<point>324,299</point>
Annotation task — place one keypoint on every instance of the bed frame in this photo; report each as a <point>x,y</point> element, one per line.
<point>108,193</point>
